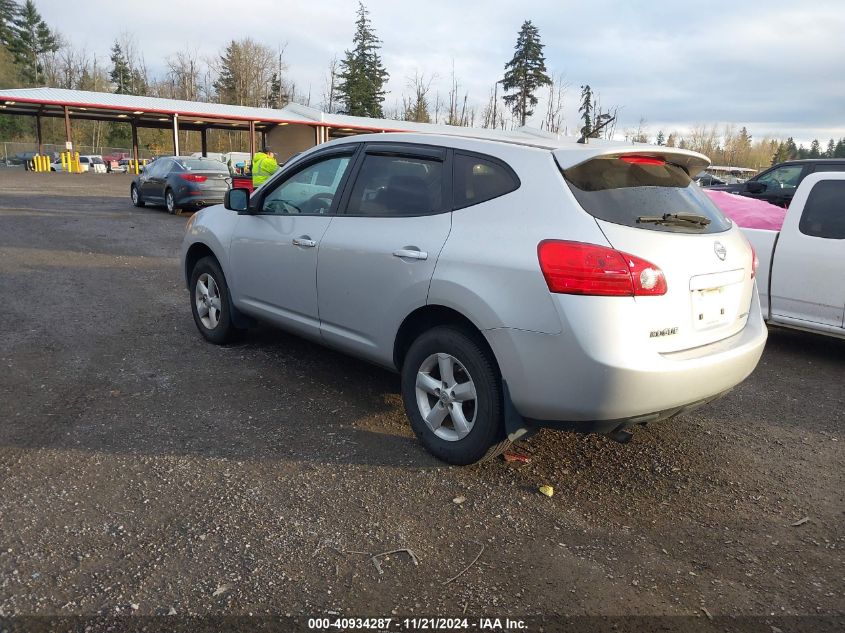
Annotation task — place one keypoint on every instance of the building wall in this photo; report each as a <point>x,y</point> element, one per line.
<point>287,140</point>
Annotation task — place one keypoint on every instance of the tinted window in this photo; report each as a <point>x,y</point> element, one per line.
<point>623,192</point>
<point>783,179</point>
<point>478,179</point>
<point>198,164</point>
<point>824,213</point>
<point>310,190</point>
<point>830,167</point>
<point>397,185</point>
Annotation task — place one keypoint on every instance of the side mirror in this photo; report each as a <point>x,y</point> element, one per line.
<point>237,199</point>
<point>752,186</point>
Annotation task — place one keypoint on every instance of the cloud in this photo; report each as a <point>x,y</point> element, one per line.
<point>773,63</point>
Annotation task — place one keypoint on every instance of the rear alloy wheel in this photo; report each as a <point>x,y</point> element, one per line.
<point>451,389</point>
<point>170,203</point>
<point>210,302</point>
<point>136,196</point>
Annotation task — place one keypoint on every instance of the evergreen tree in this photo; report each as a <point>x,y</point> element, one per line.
<point>801,152</point>
<point>791,149</point>
<point>839,152</point>
<point>121,73</point>
<point>586,110</point>
<point>362,75</point>
<point>781,154</point>
<point>671,139</point>
<point>274,99</point>
<point>525,73</point>
<point>32,39</point>
<point>661,140</point>
<point>814,149</point>
<point>8,11</point>
<point>831,149</point>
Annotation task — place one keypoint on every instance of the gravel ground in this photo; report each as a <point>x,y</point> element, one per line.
<point>144,471</point>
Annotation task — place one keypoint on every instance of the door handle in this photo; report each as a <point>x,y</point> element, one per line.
<point>410,254</point>
<point>304,241</point>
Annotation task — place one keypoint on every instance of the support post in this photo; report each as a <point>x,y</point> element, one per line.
<point>175,134</point>
<point>263,138</point>
<point>204,140</point>
<point>134,147</point>
<point>251,139</point>
<point>68,134</point>
<point>38,134</point>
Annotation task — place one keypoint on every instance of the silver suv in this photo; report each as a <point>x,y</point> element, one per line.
<point>581,287</point>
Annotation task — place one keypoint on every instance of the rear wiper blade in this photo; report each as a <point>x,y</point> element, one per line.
<point>674,218</point>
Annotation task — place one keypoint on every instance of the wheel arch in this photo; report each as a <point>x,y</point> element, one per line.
<point>427,317</point>
<point>196,252</point>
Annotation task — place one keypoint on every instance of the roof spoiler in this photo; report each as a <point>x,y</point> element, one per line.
<point>692,162</point>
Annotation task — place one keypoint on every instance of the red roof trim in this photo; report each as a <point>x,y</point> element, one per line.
<point>82,104</point>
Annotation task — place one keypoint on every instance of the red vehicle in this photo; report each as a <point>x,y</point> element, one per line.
<point>112,160</point>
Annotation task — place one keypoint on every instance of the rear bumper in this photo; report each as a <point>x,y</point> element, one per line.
<point>200,198</point>
<point>574,382</point>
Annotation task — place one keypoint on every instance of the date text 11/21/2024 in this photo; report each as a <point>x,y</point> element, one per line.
<point>417,624</point>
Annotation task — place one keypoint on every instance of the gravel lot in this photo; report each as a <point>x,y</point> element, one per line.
<point>144,471</point>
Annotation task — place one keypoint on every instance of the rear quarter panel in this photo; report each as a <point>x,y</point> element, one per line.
<point>488,269</point>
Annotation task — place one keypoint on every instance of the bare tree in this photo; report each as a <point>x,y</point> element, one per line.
<point>553,121</point>
<point>184,75</point>
<point>330,96</point>
<point>415,107</point>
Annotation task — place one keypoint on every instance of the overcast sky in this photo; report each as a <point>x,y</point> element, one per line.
<point>777,67</point>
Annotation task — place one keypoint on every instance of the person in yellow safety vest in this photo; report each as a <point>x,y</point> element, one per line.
<point>264,165</point>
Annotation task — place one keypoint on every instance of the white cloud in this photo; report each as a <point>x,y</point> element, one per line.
<point>775,64</point>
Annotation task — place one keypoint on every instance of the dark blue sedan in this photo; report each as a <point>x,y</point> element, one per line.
<point>179,182</point>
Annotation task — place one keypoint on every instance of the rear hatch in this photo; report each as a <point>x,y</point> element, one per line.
<point>206,174</point>
<point>646,205</point>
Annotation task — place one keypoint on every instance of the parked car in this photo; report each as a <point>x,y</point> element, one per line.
<point>777,184</point>
<point>800,274</point>
<point>88,163</point>
<point>181,182</point>
<point>708,180</point>
<point>112,161</point>
<point>582,287</point>
<point>213,155</point>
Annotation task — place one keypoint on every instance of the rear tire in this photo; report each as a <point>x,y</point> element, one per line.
<point>451,378</point>
<point>136,196</point>
<point>170,203</point>
<point>211,302</point>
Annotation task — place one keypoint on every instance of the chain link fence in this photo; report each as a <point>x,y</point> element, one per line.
<point>16,153</point>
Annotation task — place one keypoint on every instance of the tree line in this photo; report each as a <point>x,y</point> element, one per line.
<point>250,73</point>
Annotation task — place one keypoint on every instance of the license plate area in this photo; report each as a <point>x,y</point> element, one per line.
<point>711,308</point>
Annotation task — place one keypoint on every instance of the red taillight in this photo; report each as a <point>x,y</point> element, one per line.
<point>193,177</point>
<point>636,159</point>
<point>587,269</point>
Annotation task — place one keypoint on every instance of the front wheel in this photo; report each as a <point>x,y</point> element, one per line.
<point>452,392</point>
<point>136,196</point>
<point>210,303</point>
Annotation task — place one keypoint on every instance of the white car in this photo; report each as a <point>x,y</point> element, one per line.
<point>802,266</point>
<point>581,287</point>
<point>87,163</point>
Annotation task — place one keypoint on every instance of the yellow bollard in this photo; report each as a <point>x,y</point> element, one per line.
<point>63,156</point>
<point>77,168</point>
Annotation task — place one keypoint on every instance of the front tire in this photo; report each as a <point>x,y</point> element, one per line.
<point>210,302</point>
<point>136,196</point>
<point>452,392</point>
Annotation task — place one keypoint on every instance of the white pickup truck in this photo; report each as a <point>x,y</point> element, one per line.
<point>801,272</point>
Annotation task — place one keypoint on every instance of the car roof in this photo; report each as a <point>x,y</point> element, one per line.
<point>566,149</point>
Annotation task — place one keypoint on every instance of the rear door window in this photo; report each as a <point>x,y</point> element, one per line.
<point>646,194</point>
<point>824,212</point>
<point>478,179</point>
<point>397,185</point>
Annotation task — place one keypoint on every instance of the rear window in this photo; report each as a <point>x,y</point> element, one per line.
<point>632,193</point>
<point>824,212</point>
<point>208,164</point>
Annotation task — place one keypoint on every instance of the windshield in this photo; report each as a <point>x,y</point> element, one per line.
<point>644,193</point>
